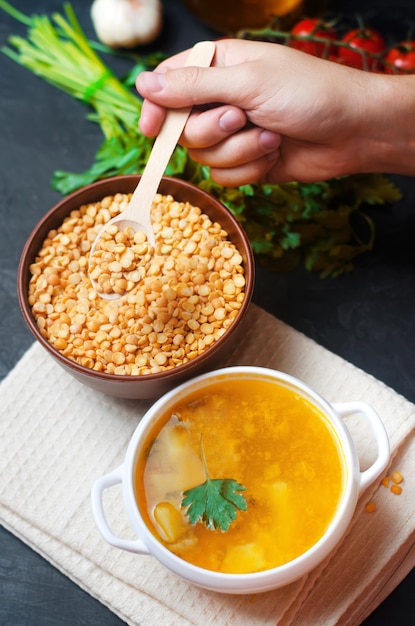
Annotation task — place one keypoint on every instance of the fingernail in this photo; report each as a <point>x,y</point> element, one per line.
<point>153,81</point>
<point>269,140</point>
<point>230,121</point>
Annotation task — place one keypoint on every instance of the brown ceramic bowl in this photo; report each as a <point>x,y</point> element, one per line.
<point>150,385</point>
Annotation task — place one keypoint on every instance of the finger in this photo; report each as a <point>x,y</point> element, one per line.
<point>151,118</point>
<point>238,149</point>
<point>196,85</point>
<point>203,128</point>
<point>246,174</point>
<point>209,127</point>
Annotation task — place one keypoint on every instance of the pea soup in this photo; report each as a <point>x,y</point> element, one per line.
<point>270,439</point>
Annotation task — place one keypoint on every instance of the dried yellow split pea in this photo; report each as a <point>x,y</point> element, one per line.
<point>120,260</point>
<point>396,477</point>
<point>183,302</point>
<point>370,507</point>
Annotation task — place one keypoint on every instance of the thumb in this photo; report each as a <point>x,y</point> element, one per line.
<point>191,85</point>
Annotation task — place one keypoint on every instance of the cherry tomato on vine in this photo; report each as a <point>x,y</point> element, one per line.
<point>313,27</point>
<point>362,40</point>
<point>401,59</point>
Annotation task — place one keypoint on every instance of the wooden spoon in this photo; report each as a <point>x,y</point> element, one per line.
<point>137,214</point>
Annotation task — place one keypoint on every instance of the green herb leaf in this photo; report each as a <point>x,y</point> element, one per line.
<point>215,501</point>
<point>142,63</point>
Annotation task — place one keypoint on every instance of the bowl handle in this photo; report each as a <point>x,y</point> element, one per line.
<point>110,480</point>
<point>347,409</point>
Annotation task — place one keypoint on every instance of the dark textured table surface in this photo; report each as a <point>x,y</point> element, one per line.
<point>367,316</point>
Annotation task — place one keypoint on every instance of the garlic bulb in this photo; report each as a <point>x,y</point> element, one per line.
<point>126,23</point>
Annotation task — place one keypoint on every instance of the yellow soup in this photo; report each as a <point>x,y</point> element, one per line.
<point>268,438</point>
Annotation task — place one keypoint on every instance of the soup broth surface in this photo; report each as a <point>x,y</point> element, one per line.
<point>266,437</point>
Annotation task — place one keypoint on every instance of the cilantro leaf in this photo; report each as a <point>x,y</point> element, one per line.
<point>215,501</point>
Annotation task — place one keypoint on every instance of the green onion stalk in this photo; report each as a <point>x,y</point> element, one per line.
<point>58,51</point>
<point>63,56</point>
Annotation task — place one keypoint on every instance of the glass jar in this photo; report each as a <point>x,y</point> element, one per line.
<point>230,16</point>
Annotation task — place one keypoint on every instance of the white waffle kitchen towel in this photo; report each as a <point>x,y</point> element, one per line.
<point>58,436</point>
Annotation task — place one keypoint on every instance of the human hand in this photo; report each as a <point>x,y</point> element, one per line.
<point>266,112</point>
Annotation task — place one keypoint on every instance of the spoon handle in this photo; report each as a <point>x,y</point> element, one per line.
<point>200,55</point>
